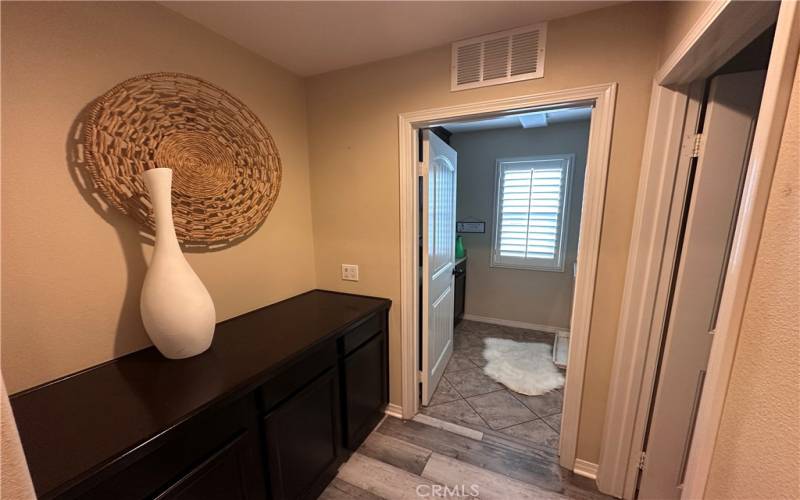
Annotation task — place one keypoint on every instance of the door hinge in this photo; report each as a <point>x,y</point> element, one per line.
<point>696,143</point>
<point>643,460</point>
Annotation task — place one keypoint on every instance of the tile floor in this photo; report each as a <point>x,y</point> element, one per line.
<point>467,396</point>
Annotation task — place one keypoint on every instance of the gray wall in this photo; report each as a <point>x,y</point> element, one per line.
<point>539,297</point>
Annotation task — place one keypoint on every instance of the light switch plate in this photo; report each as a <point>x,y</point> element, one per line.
<point>350,272</point>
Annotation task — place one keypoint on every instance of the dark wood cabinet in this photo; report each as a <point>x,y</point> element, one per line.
<point>223,475</point>
<point>276,405</point>
<point>199,450</point>
<point>366,388</point>
<point>302,440</point>
<point>459,298</point>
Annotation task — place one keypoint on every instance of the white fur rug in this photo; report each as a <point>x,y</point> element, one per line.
<point>523,367</point>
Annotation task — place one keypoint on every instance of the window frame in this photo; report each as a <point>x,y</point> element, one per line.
<point>566,162</point>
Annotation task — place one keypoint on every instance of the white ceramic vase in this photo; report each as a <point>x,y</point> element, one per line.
<point>177,310</point>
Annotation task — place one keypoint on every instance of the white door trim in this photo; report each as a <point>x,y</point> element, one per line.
<point>604,98</point>
<point>646,289</point>
<point>761,168</point>
<point>725,28</point>
<point>715,35</point>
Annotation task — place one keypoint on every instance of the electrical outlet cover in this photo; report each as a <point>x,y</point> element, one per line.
<point>350,272</point>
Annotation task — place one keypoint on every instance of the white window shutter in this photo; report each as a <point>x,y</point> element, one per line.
<point>531,212</point>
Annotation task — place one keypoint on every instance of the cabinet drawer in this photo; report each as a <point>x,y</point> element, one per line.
<point>361,333</point>
<point>297,375</point>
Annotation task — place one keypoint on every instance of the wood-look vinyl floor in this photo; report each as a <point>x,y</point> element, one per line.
<point>429,458</point>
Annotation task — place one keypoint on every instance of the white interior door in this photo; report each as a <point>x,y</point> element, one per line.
<point>438,170</point>
<point>729,122</point>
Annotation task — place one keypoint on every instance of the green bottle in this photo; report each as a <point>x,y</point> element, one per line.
<point>459,247</point>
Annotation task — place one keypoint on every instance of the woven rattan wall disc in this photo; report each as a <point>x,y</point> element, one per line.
<point>226,167</point>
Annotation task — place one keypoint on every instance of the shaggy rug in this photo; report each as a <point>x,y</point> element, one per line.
<point>523,367</point>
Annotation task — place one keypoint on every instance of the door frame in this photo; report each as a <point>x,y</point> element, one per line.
<point>725,28</point>
<point>603,97</point>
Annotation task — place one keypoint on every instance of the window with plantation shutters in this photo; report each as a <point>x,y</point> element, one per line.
<point>531,212</point>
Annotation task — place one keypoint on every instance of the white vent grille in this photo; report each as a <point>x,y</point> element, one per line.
<point>507,56</point>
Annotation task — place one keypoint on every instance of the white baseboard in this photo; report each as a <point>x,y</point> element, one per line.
<point>514,324</point>
<point>585,469</point>
<point>394,410</point>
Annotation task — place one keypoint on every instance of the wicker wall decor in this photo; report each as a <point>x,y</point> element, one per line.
<point>226,167</point>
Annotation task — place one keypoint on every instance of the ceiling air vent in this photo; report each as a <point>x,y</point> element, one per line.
<point>507,56</point>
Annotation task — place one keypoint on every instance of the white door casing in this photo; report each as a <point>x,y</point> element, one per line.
<point>767,139</point>
<point>438,171</point>
<point>720,32</point>
<point>710,221</point>
<point>603,96</point>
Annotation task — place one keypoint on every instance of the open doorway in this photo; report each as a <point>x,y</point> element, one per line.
<point>519,182</point>
<point>426,355</point>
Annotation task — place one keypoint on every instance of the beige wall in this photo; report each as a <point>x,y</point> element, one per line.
<point>71,275</point>
<point>758,446</point>
<point>678,18</point>
<point>354,153</point>
<point>71,272</point>
<point>538,297</point>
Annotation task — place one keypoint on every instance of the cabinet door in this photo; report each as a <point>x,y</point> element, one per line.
<point>302,440</point>
<point>366,389</point>
<point>220,477</point>
<point>460,297</point>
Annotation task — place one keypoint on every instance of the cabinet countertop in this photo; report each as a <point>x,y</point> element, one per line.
<point>78,425</point>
